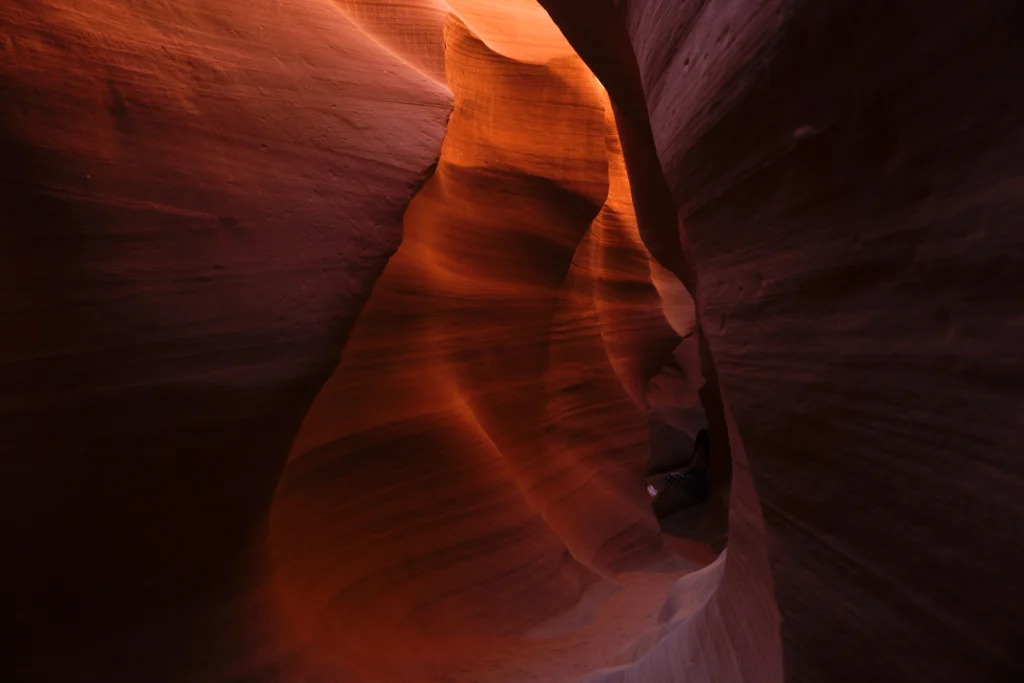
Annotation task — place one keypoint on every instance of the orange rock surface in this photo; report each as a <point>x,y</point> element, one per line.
<point>449,487</point>
<point>342,335</point>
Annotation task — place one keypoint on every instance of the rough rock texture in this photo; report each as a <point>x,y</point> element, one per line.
<point>847,176</point>
<point>475,464</point>
<point>198,196</point>
<point>196,199</point>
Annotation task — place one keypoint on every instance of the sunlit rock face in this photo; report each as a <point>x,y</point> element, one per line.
<point>849,207</point>
<point>203,197</point>
<point>475,466</point>
<point>247,446</point>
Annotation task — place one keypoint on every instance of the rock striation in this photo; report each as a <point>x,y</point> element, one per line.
<point>341,337</point>
<point>842,173</point>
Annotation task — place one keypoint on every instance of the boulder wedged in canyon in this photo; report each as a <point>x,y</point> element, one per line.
<point>847,181</point>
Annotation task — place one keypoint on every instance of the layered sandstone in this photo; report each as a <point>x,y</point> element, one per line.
<point>844,179</point>
<point>474,468</point>
<point>197,198</point>
<point>225,184</point>
<point>248,436</point>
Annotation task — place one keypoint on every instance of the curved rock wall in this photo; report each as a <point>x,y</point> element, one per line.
<point>476,463</point>
<point>845,174</point>
<point>197,198</point>
<point>202,197</point>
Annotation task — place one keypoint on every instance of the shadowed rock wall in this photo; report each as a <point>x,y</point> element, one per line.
<point>198,198</point>
<point>845,175</point>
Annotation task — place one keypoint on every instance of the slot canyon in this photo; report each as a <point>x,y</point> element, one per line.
<point>381,341</point>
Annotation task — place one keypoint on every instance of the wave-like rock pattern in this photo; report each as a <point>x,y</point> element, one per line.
<point>200,196</point>
<point>197,198</point>
<point>475,464</point>
<point>843,173</point>
<point>203,197</point>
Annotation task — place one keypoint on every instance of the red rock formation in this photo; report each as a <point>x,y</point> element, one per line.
<point>200,196</point>
<point>196,202</point>
<point>476,445</point>
<point>197,198</point>
<point>842,174</point>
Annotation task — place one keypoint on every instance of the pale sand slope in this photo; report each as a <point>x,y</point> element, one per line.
<point>609,640</point>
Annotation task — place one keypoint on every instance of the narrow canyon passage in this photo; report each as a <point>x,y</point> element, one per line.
<point>344,338</point>
<point>475,467</point>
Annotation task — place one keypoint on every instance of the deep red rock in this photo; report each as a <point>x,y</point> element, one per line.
<point>843,173</point>
<point>213,471</point>
<point>197,198</point>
